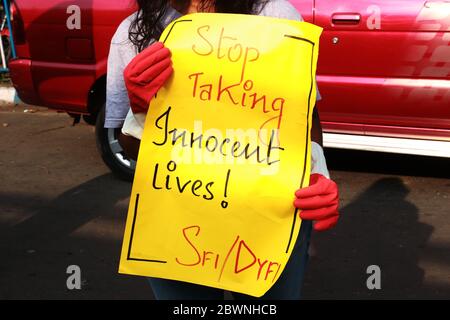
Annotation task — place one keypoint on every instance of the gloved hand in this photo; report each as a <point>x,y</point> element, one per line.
<point>146,74</point>
<point>319,202</point>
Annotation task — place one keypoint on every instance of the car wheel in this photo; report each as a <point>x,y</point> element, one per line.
<point>111,151</point>
<point>90,119</point>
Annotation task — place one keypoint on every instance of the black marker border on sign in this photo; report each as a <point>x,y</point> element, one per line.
<point>130,245</point>
<point>136,206</point>
<point>313,45</point>
<point>294,222</point>
<point>170,31</point>
<point>129,258</point>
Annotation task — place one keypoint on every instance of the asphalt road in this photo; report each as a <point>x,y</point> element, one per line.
<point>60,206</point>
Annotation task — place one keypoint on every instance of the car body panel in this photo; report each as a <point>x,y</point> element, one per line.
<point>385,63</point>
<point>65,62</point>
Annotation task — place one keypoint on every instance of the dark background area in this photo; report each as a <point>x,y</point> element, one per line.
<point>60,206</point>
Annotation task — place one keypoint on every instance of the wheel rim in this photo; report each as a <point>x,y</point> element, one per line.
<point>117,150</point>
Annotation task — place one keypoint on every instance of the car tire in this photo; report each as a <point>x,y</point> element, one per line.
<point>90,119</point>
<point>111,151</point>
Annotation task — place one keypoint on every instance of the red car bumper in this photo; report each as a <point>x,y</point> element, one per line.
<point>21,77</point>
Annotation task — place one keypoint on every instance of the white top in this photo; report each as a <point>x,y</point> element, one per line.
<point>122,52</point>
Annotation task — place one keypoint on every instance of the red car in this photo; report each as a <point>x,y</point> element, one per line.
<point>384,69</point>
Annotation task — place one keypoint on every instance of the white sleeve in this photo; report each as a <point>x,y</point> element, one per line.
<point>318,161</point>
<point>134,124</point>
<point>117,102</point>
<point>282,9</point>
<point>121,52</point>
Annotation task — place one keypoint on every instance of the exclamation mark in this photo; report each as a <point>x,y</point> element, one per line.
<point>225,203</point>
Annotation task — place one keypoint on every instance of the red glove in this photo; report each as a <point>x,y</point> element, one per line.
<point>146,74</point>
<point>319,202</point>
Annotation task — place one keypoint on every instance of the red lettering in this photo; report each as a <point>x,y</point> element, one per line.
<point>261,266</point>
<point>247,59</point>
<point>217,261</point>
<point>269,269</point>
<point>221,38</point>
<point>205,257</point>
<point>196,75</point>
<point>226,258</point>
<point>227,90</point>
<point>192,246</point>
<point>211,48</point>
<point>206,92</point>
<point>238,258</point>
<point>275,276</point>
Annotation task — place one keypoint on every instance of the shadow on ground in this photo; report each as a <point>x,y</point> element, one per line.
<point>83,227</point>
<point>380,227</point>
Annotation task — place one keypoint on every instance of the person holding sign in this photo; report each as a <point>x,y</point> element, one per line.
<point>138,67</point>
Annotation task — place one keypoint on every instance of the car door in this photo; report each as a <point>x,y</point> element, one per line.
<point>385,64</point>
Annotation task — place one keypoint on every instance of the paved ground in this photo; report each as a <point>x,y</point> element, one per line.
<point>59,206</point>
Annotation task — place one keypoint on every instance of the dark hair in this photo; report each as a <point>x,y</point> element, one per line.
<point>146,24</point>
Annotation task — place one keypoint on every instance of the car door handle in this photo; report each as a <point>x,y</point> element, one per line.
<point>437,5</point>
<point>346,18</point>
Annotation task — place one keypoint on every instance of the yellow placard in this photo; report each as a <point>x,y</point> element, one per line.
<point>226,144</point>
